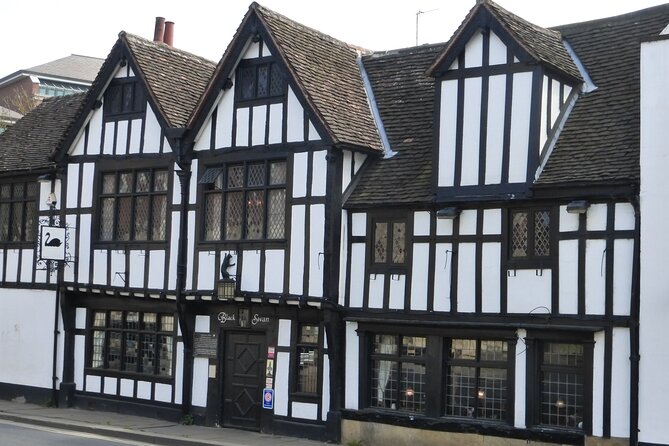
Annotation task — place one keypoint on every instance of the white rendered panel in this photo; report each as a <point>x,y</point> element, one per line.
<point>543,131</point>
<point>444,226</point>
<point>568,264</point>
<point>471,132</point>
<point>313,133</point>
<point>252,50</point>
<point>359,224</point>
<point>79,356</point>
<point>325,391</point>
<point>420,276</point>
<point>300,167</point>
<point>178,370</point>
<point>495,130</point>
<point>118,272</point>
<point>136,271</point>
<point>80,318</point>
<point>376,290</point>
<point>466,278</point>
<point>283,337</point>
<point>100,267</point>
<point>224,115</point>
<point>259,125</point>
<point>352,370</point>
<point>596,217</point>
<point>122,138</point>
<point>295,119</point>
<point>152,132</point>
<point>307,411</point>
<point>200,381</point>
<point>443,266</point>
<point>265,51</point>
<point>72,185</point>
<point>528,291</point>
<point>497,53</point>
<point>94,133</point>
<point>520,127</point>
<point>135,136</point>
<point>2,264</point>
<point>468,222</point>
<point>127,388</point>
<point>357,274</point>
<point>490,280</point>
<point>203,140</point>
<point>108,142</point>
<point>620,383</point>
<point>555,101</point>
<point>44,190</point>
<point>319,173</point>
<point>358,160</point>
<point>111,385</point>
<point>343,258</point>
<point>274,265</point>
<point>79,146</point>
<point>474,51</point>
<point>87,185</point>
<point>421,223</point>
<point>275,123</point>
<point>130,72</point>
<point>27,265</point>
<point>521,376</point>
<point>251,271</point>
<point>192,192</point>
<point>595,277</point>
<point>397,287</point>
<point>83,260</point>
<point>492,221</point>
<point>624,217</point>
<point>242,139</point>
<point>176,192</point>
<point>206,270</point>
<point>297,249</point>
<point>448,118</point>
<point>174,241</point>
<point>156,268</point>
<point>598,367</point>
<point>144,390</point>
<point>281,383</point>
<point>316,249</point>
<point>57,189</point>
<point>623,256</point>
<point>120,72</point>
<point>12,267</point>
<point>454,65</point>
<point>163,392</point>
<point>568,222</point>
<point>93,383</point>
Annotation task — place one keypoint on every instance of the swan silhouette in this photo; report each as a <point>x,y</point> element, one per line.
<point>54,242</point>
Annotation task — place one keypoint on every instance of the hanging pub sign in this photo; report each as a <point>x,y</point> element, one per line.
<point>52,243</point>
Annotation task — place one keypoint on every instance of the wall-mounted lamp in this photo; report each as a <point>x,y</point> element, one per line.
<point>578,207</point>
<point>225,289</point>
<point>448,213</point>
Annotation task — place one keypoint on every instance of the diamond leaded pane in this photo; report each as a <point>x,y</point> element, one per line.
<point>5,191</point>
<point>212,216</point>
<point>233,215</point>
<point>130,352</point>
<point>256,175</point>
<point>124,218</point>
<point>165,355</point>
<point>114,351</point>
<point>235,176</point>
<point>542,240</point>
<point>107,219</point>
<point>141,217</point>
<point>381,243</point>
<point>31,221</point>
<point>255,207</point>
<point>277,82</point>
<point>247,80</point>
<point>18,190</point>
<point>277,173</point>
<point>32,190</point>
<point>160,181</point>
<point>263,80</point>
<point>276,213</point>
<point>519,234</point>
<point>125,183</point>
<point>17,221</point>
<point>143,181</point>
<point>159,217</point>
<point>398,242</point>
<point>109,183</point>
<point>148,364</point>
<point>4,221</point>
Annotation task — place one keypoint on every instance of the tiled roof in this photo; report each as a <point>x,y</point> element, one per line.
<point>327,72</point>
<point>405,98</point>
<point>175,78</point>
<point>600,141</point>
<point>27,144</point>
<point>76,67</point>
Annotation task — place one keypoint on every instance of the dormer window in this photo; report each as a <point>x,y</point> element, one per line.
<point>263,81</point>
<point>124,99</point>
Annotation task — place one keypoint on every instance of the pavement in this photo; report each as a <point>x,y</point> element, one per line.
<point>135,428</point>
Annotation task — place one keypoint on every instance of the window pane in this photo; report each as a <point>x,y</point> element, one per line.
<point>18,190</point>
<point>160,178</point>
<point>212,216</point>
<point>141,218</point>
<point>107,219</point>
<point>159,217</point>
<point>307,371</point>
<point>32,191</point>
<point>97,360</point>
<point>143,181</point>
<point>263,80</point>
<point>99,318</point>
<point>4,221</point>
<point>5,191</point>
<point>398,242</point>
<point>233,215</point>
<point>519,234</point>
<point>109,183</point>
<point>277,173</point>
<point>385,344</point>
<point>130,352</point>
<point>150,321</point>
<point>128,97</point>
<point>247,81</point>
<point>165,358</point>
<point>384,384</point>
<point>114,351</point>
<point>463,349</point>
<point>494,350</point>
<point>381,243</point>
<point>460,401</point>
<point>166,323</point>
<point>132,320</point>
<point>124,218</point>
<point>125,183</point>
<point>563,354</point>
<point>309,334</point>
<point>235,176</point>
<point>412,387</point>
<point>31,221</point>
<point>256,175</point>
<point>562,398</point>
<point>413,345</point>
<point>116,319</point>
<point>542,239</point>
<point>17,221</point>
<point>113,99</point>
<point>491,394</point>
<point>277,81</point>
<point>276,218</point>
<point>255,208</point>
<point>148,363</point>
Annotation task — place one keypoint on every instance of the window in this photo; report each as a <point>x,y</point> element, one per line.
<point>307,354</point>
<point>562,384</point>
<point>133,342</point>
<point>124,99</point>
<point>263,81</point>
<point>18,212</point>
<point>389,243</point>
<point>477,379</point>
<point>530,235</point>
<point>398,378</point>
<point>133,205</point>
<point>245,201</point>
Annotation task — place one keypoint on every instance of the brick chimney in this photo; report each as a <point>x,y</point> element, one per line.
<point>159,30</point>
<point>168,37</point>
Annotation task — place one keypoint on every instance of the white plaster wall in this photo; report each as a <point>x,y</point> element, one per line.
<point>251,271</point>
<point>135,136</point>
<point>623,259</point>
<point>79,356</point>
<point>521,377</point>
<point>443,266</point>
<point>224,115</point>
<point>420,276</point>
<point>468,222</point>
<point>242,129</point>
<point>297,249</point>
<point>495,130</point>
<point>596,217</point>
<point>568,264</point>
<point>274,267</point>
<point>520,127</point>
<point>325,391</point>
<point>343,257</point>
<point>121,138</point>
<point>320,173</point>
<point>163,392</point>
<point>95,132</point>
<point>151,131</point>
<point>300,166</point>
<point>313,133</point>
<point>568,222</point>
<point>118,272</point>
<point>100,267</point>
<point>93,383</point>
<point>144,390</point>
<point>275,123</point>
<point>178,371</point>
<point>352,369</point>
<point>466,280</point>
<point>108,141</point>
<point>397,287</point>
<point>72,185</point>
<point>136,272</point>
<point>316,249</point>
<point>200,381</point>
<point>497,53</point>
<point>110,385</point>
<point>359,224</point>
<point>376,282</point>
<point>12,267</point>
<point>295,118</point>
<point>174,241</point>
<point>620,383</point>
<point>127,388</point>
<point>421,223</point>
<point>83,260</point>
<point>471,131</point>
<point>490,277</point>
<point>27,258</point>
<point>307,411</point>
<point>283,337</point>
<point>347,161</point>
<point>624,217</point>
<point>448,119</point>
<point>492,221</point>
<point>474,51</point>
<point>595,277</point>
<point>259,124</point>
<point>281,383</point>
<point>598,367</point>
<point>357,274</point>
<point>529,290</point>
<point>156,268</point>
<point>544,112</point>
<point>207,270</point>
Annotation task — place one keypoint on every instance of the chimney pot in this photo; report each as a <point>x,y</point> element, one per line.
<point>159,30</point>
<point>168,37</point>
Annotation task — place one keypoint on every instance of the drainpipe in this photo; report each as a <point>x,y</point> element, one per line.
<point>634,326</point>
<point>183,160</point>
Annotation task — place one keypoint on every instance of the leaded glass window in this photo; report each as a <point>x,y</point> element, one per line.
<point>260,81</point>
<point>530,235</point>
<point>562,384</point>
<point>389,242</point>
<point>133,205</point>
<point>307,355</point>
<point>245,201</point>
<point>18,212</point>
<point>132,342</point>
<point>124,99</point>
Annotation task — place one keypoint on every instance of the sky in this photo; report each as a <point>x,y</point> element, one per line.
<point>37,31</point>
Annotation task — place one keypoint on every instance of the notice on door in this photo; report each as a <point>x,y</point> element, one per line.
<point>268,399</point>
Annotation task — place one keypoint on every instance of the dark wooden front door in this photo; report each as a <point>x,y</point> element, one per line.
<point>243,380</point>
